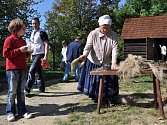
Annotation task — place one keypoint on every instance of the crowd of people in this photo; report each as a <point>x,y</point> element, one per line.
<point>101,48</point>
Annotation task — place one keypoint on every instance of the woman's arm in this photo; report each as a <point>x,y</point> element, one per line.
<point>88,47</point>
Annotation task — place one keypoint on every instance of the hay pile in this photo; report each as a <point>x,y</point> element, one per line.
<point>133,65</point>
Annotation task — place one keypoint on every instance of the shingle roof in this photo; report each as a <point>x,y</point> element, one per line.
<point>145,27</point>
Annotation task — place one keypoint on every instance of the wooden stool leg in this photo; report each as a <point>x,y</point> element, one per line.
<point>155,92</point>
<point>100,96</point>
<point>160,98</point>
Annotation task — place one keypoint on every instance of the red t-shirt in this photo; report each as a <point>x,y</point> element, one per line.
<point>15,59</point>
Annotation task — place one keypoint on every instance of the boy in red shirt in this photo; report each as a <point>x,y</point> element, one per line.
<point>15,52</point>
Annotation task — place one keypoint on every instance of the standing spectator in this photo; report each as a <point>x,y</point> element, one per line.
<point>74,50</point>
<point>63,53</point>
<point>39,42</point>
<point>163,52</point>
<point>101,48</point>
<point>15,52</point>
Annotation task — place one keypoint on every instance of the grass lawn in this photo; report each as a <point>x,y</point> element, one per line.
<point>2,74</point>
<point>118,115</point>
<point>52,74</point>
<point>48,74</point>
<point>138,111</point>
<point>137,84</point>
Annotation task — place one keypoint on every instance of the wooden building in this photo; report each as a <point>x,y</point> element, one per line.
<point>142,36</point>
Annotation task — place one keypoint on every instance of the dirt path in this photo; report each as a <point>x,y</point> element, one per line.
<point>55,103</point>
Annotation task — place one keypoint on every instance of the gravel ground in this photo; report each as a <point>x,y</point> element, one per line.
<point>46,107</point>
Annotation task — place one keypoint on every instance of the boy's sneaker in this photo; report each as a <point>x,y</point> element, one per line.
<point>27,115</point>
<point>10,117</point>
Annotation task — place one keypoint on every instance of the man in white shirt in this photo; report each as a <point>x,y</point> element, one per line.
<point>39,43</point>
<point>64,56</point>
<point>163,52</point>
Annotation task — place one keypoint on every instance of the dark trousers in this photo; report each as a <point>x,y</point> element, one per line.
<point>163,58</point>
<point>35,68</point>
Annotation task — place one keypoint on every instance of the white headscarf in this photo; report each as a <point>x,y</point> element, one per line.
<point>105,19</point>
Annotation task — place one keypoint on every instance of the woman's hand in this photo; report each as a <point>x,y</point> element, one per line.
<point>82,57</point>
<point>114,66</point>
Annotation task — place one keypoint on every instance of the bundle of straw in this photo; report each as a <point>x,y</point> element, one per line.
<point>130,67</point>
<point>133,65</point>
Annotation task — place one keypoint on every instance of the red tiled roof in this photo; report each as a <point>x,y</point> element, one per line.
<point>145,27</point>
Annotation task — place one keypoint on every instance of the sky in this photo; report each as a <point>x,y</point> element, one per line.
<point>45,6</point>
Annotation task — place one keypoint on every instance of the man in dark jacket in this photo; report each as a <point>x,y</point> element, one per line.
<point>74,50</point>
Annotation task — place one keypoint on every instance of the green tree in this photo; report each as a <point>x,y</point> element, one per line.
<point>10,9</point>
<point>69,19</point>
<point>147,7</point>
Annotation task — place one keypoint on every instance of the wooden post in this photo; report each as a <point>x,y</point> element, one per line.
<point>159,98</point>
<point>100,96</point>
<point>155,92</point>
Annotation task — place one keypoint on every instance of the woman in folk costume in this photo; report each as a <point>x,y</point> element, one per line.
<point>101,49</point>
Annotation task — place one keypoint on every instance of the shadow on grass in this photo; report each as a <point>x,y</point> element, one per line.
<point>53,109</point>
<point>56,110</point>
<point>54,94</point>
<point>143,100</point>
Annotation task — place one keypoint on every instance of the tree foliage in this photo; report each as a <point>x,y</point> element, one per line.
<point>147,7</point>
<point>11,9</point>
<point>139,8</point>
<point>72,18</point>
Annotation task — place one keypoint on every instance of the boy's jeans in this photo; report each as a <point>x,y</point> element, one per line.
<point>68,69</point>
<point>16,82</point>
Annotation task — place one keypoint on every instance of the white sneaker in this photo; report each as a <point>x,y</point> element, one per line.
<point>10,117</point>
<point>27,115</point>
